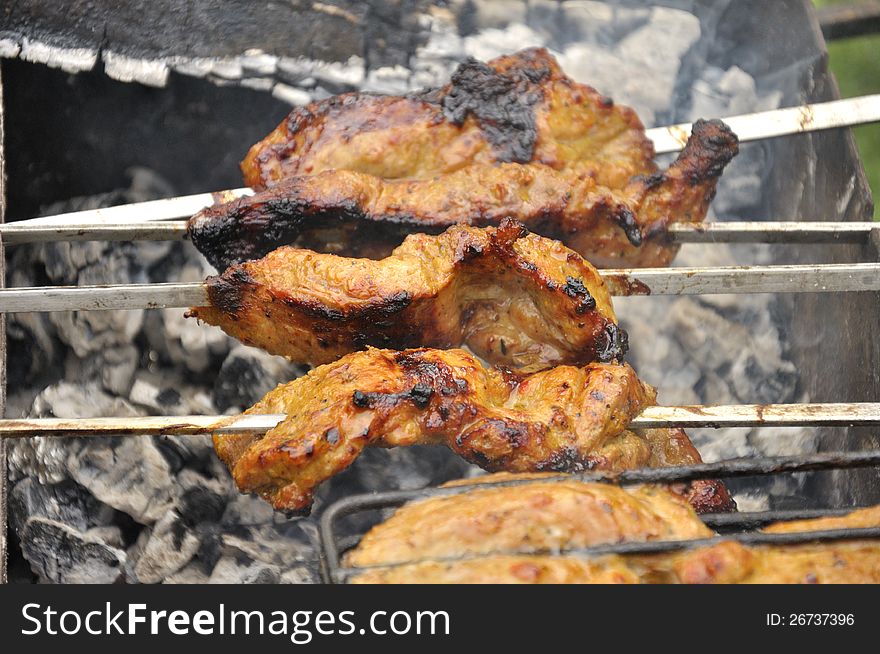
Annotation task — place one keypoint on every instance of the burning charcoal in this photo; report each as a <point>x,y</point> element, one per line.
<point>726,93</point>
<point>302,574</point>
<point>190,574</point>
<point>61,554</point>
<point>630,71</point>
<point>201,499</point>
<point>109,534</point>
<point>490,43</point>
<point>229,571</point>
<point>247,375</point>
<point>162,550</point>
<point>163,400</point>
<point>128,473</point>
<point>115,367</point>
<point>45,458</point>
<point>245,510</point>
<point>186,341</point>
<point>393,469</point>
<point>65,502</point>
<point>392,80</point>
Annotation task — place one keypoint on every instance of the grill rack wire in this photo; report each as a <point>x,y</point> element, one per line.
<point>738,526</point>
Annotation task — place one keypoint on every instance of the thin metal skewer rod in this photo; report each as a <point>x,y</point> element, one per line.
<point>713,416</point>
<point>820,278</point>
<point>714,232</point>
<point>772,232</point>
<point>182,206</point>
<point>748,127</point>
<point>780,122</point>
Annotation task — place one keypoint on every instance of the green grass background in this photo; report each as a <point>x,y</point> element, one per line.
<point>856,65</point>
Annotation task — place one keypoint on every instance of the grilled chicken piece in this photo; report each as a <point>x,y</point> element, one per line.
<point>562,419</point>
<point>725,563</point>
<point>513,298</point>
<point>361,214</point>
<point>516,108</point>
<point>542,516</point>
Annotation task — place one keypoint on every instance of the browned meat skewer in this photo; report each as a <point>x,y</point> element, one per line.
<point>360,214</point>
<point>513,298</point>
<point>517,108</point>
<point>562,419</point>
<point>354,174</point>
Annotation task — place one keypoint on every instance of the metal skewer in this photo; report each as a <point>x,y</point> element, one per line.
<point>779,122</point>
<point>715,416</point>
<point>748,127</point>
<point>821,278</point>
<point>714,232</point>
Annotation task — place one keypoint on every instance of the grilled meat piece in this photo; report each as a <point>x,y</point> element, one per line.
<point>506,569</point>
<point>542,516</point>
<point>516,108</point>
<point>513,298</point>
<point>562,419</point>
<point>610,226</point>
<point>725,563</point>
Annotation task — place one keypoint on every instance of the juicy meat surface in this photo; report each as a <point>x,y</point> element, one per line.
<point>513,298</point>
<point>727,562</point>
<point>540,516</point>
<point>517,108</point>
<point>363,214</point>
<point>562,419</point>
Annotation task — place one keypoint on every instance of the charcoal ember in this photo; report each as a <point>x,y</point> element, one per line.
<point>247,510</point>
<point>247,374</point>
<point>230,570</point>
<point>393,80</point>
<point>201,499</point>
<point>764,380</point>
<point>32,345</point>
<point>268,544</point>
<point>493,42</point>
<point>114,366</point>
<point>164,393</point>
<point>161,550</point>
<point>596,22</point>
<point>629,70</point>
<point>128,473</point>
<point>193,573</point>
<point>90,263</point>
<point>46,458</point>
<point>307,573</point>
<point>173,338</point>
<point>185,341</point>
<point>65,502</point>
<point>719,92</point>
<point>496,14</point>
<point>109,534</point>
<point>58,553</point>
<point>398,468</point>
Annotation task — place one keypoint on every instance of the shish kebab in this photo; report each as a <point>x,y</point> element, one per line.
<point>646,281</point>
<point>287,480</point>
<point>470,285</point>
<point>144,220</point>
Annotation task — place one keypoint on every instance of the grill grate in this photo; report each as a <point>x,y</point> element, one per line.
<point>738,526</point>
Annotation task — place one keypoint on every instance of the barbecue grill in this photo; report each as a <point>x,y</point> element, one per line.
<point>821,229</point>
